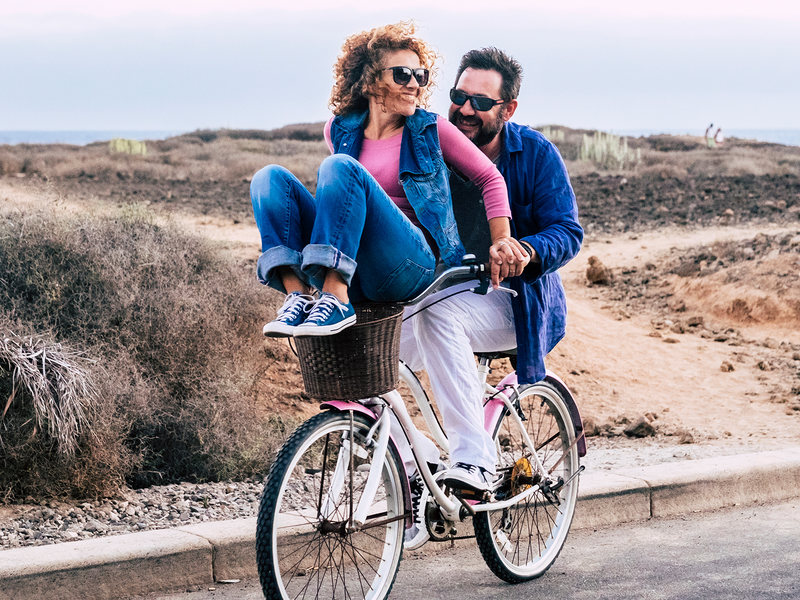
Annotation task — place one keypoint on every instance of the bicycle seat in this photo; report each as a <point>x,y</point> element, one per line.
<point>509,354</point>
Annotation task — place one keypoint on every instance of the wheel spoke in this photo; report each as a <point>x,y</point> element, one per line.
<point>320,556</point>
<point>535,529</point>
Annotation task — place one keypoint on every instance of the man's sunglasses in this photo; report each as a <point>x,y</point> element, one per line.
<point>402,75</point>
<point>480,103</point>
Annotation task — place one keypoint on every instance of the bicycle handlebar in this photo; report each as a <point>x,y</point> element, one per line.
<point>470,269</point>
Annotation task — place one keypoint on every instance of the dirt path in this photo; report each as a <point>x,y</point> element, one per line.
<point>617,368</point>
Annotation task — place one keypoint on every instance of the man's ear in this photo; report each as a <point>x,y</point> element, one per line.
<point>510,108</point>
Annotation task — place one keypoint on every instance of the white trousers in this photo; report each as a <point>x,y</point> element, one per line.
<point>442,338</point>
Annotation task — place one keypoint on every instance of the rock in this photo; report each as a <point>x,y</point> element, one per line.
<point>726,367</point>
<point>684,436</point>
<point>640,428</point>
<point>696,321</point>
<point>597,272</point>
<point>669,340</point>
<point>590,427</point>
<point>93,526</point>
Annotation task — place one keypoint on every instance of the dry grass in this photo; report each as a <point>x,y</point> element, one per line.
<point>173,326</point>
<point>682,156</point>
<point>201,156</point>
<point>60,390</point>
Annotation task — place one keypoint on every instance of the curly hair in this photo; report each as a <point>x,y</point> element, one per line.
<point>361,61</point>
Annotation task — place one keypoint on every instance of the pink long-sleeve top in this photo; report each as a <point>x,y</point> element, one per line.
<point>381,158</point>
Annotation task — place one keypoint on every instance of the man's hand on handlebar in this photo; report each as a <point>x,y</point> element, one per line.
<point>507,259</point>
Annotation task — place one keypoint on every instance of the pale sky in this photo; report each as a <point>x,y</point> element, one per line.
<point>180,65</point>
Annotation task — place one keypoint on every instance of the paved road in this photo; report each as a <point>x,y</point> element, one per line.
<point>748,553</point>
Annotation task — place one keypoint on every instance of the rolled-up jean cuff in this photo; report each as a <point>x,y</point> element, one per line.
<point>317,258</point>
<point>279,256</point>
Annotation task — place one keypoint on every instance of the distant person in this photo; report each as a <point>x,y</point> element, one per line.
<point>710,138</point>
<point>718,138</point>
<point>382,212</point>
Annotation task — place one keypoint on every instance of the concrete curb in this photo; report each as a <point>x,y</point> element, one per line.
<point>169,559</point>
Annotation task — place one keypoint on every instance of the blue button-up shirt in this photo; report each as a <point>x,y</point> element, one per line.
<point>545,215</point>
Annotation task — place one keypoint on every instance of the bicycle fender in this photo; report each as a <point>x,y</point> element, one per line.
<point>556,382</point>
<point>344,406</point>
<point>493,408</point>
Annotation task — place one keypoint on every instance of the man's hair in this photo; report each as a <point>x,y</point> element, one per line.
<point>492,59</point>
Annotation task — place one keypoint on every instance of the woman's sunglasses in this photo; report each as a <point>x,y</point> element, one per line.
<point>481,103</point>
<point>402,75</point>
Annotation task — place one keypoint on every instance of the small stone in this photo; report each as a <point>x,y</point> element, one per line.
<point>669,340</point>
<point>597,273</point>
<point>185,516</point>
<point>590,428</point>
<point>640,428</point>
<point>726,367</point>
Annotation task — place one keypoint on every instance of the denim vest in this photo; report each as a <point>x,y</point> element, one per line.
<point>423,174</point>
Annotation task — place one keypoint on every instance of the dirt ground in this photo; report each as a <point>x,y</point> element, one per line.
<point>697,331</point>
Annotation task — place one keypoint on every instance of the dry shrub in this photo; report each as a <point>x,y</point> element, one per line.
<point>58,435</point>
<point>174,327</point>
<point>665,170</point>
<point>9,164</point>
<point>202,156</point>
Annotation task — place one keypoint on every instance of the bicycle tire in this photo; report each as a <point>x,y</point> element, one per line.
<point>522,542</point>
<point>300,552</point>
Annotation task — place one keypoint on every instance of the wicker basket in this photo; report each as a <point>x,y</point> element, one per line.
<point>360,362</point>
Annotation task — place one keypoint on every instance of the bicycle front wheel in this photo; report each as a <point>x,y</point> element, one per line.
<point>306,542</point>
<point>521,542</point>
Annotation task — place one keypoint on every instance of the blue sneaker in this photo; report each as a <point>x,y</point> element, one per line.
<point>291,314</point>
<point>327,317</point>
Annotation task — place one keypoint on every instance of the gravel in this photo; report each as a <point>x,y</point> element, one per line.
<point>162,507</point>
<point>158,507</point>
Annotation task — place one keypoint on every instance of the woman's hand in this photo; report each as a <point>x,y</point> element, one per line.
<point>508,259</point>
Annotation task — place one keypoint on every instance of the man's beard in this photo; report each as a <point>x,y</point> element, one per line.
<point>487,131</point>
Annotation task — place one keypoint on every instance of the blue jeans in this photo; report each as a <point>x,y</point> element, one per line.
<point>351,226</point>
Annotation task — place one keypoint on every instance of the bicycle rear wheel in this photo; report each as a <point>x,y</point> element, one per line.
<point>521,542</point>
<point>305,547</point>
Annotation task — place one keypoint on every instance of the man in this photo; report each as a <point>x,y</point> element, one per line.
<point>443,338</point>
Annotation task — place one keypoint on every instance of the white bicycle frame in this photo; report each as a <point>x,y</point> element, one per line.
<point>450,510</point>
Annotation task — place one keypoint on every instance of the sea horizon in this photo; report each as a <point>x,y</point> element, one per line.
<point>789,137</point>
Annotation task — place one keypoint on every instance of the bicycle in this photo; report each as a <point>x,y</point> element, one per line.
<point>337,499</point>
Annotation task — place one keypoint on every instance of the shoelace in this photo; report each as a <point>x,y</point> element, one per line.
<point>324,307</point>
<point>292,307</point>
<point>471,469</point>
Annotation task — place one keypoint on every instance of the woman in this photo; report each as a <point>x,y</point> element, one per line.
<point>382,211</point>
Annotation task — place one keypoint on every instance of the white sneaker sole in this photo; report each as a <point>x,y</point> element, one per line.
<point>278,330</point>
<point>309,330</point>
<point>418,540</point>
